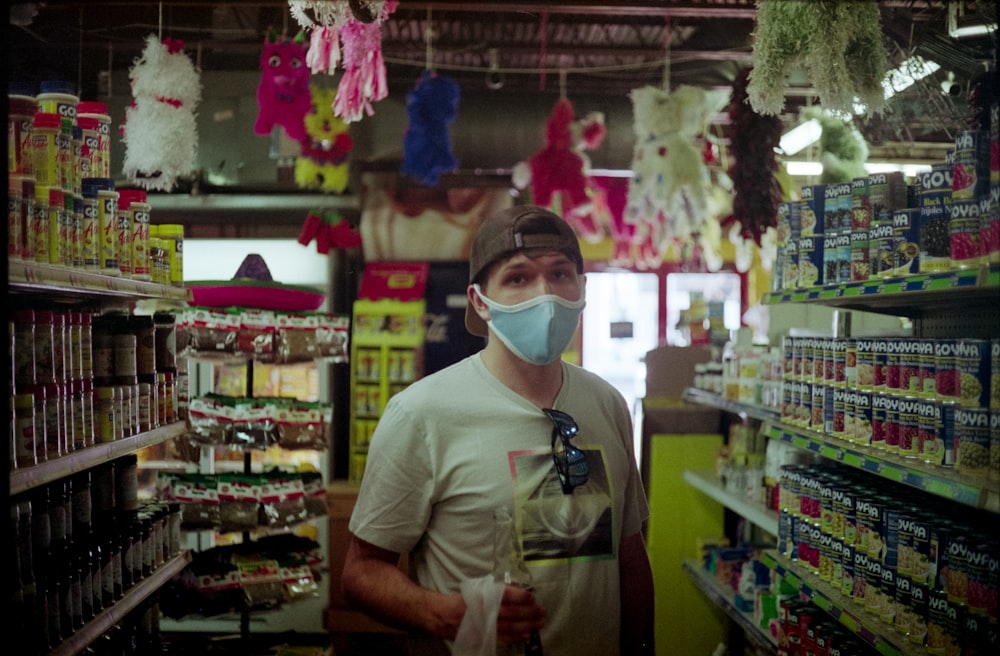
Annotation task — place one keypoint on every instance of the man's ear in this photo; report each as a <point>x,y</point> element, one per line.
<point>477,303</point>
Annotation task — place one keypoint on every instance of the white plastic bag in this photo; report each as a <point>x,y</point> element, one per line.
<point>477,634</point>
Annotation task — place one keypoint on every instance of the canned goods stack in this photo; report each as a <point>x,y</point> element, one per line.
<point>63,207</point>
<point>931,576</point>
<point>923,398</point>
<point>878,227</point>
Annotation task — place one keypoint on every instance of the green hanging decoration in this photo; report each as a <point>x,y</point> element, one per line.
<point>843,151</point>
<point>839,42</point>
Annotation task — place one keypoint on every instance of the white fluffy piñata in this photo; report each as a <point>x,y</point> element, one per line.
<point>160,133</point>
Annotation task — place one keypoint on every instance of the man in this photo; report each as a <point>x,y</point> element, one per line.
<point>512,426</point>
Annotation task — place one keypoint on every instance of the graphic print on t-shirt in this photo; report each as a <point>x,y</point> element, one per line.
<point>558,526</point>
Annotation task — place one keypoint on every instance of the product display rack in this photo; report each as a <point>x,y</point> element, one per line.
<point>756,514</point>
<point>725,599</point>
<point>70,286</point>
<point>941,304</point>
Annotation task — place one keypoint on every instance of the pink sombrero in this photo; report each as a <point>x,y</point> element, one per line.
<point>252,286</point>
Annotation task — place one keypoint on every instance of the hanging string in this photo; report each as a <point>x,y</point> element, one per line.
<point>666,53</point>
<point>428,47</point>
<point>543,29</point>
<point>111,61</point>
<point>159,22</point>
<point>494,76</point>
<point>79,57</point>
<point>562,83</point>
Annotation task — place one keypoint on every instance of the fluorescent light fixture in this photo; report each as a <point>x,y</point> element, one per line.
<point>801,136</point>
<point>972,30</point>
<point>961,26</point>
<point>814,169</point>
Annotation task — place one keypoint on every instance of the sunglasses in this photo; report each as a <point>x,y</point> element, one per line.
<point>571,463</point>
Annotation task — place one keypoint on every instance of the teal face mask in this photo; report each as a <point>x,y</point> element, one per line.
<point>537,330</point>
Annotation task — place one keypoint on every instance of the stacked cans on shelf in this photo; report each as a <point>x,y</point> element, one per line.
<point>936,400</point>
<point>879,226</point>
<point>914,564</point>
<point>63,207</point>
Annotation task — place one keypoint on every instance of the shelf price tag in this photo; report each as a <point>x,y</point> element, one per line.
<point>828,451</point>
<point>891,472</point>
<point>853,459</point>
<point>848,621</point>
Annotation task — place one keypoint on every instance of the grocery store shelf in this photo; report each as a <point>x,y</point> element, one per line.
<point>912,296</point>
<point>77,461</point>
<point>937,480</point>
<point>725,599</point>
<point>755,513</point>
<point>36,278</point>
<point>252,202</point>
<point>864,624</point>
<point>109,617</point>
<point>743,410</point>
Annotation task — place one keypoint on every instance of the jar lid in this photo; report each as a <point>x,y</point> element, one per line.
<point>21,88</point>
<point>91,107</point>
<point>47,120</point>
<point>58,86</point>
<point>128,196</point>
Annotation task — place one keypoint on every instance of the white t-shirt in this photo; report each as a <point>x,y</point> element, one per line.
<point>454,446</point>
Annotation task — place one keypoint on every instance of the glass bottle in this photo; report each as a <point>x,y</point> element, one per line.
<point>509,568</point>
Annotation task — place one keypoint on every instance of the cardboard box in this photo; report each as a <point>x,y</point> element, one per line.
<point>670,369</point>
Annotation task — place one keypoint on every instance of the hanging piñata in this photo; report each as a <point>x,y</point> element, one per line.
<point>283,92</point>
<point>558,173</point>
<point>430,106</point>
<point>160,132</point>
<point>322,163</point>
<point>670,192</point>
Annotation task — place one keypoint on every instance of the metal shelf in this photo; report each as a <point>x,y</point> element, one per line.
<point>915,296</point>
<point>862,623</point>
<point>75,284</point>
<point>725,599</point>
<point>77,461</point>
<point>743,410</point>
<point>937,480</point>
<point>109,617</point>
<point>755,513</point>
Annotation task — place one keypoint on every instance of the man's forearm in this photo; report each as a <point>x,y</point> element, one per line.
<point>384,591</point>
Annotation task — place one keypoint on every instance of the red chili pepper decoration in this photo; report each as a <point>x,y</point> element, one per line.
<point>756,190</point>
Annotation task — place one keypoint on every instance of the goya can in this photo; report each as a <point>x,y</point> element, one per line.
<point>972,362</point>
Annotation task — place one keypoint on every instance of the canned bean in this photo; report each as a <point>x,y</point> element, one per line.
<point>862,418</point>
<point>873,600</point>
<point>943,625</point>
<point>887,595</point>
<point>995,374</point>
<point>926,368</point>
<point>816,407</point>
<point>909,427</point>
<point>881,348</point>
<point>972,363</point>
<point>847,569</point>
<point>918,613</point>
<point>909,367</point>
<point>946,367</point>
<point>806,353</point>
<point>903,619</point>
<point>865,364</point>
<point>972,441</point>
<point>839,412</point>
<point>982,592</point>
<point>892,425</point>
<point>880,406</point>
<point>929,444</point>
<point>914,545</point>
<point>850,363</point>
